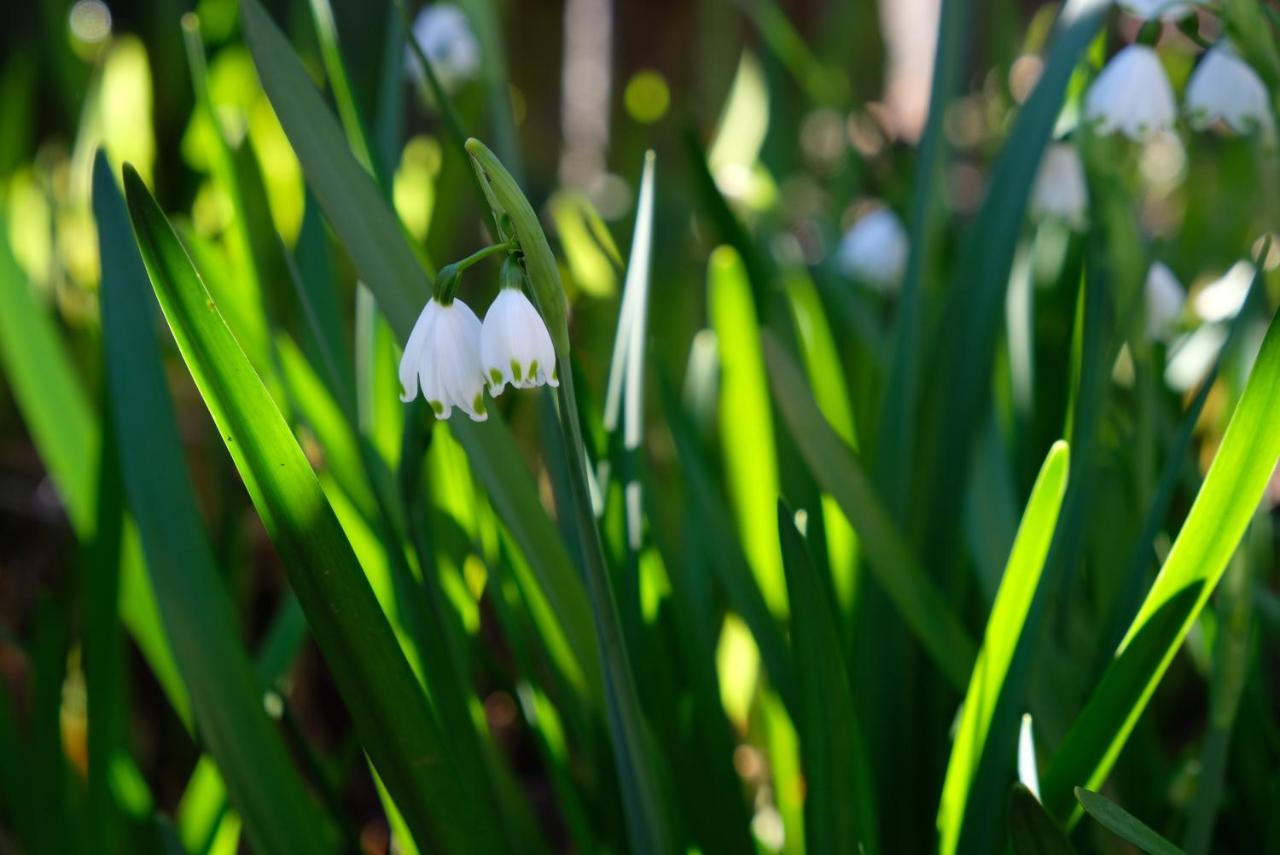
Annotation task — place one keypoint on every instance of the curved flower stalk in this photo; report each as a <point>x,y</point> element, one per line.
<point>1060,191</point>
<point>1225,89</point>
<point>443,357</point>
<point>648,810</point>
<point>515,346</point>
<point>447,40</point>
<point>1132,95</point>
<point>1165,298</point>
<point>874,250</point>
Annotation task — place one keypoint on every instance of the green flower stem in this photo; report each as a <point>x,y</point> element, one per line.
<point>450,276</point>
<point>648,823</point>
<point>481,254</point>
<point>638,761</point>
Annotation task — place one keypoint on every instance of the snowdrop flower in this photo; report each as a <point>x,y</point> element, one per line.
<point>515,346</point>
<point>443,356</point>
<point>1164,300</point>
<point>1132,95</point>
<point>1060,190</point>
<point>1165,10</point>
<point>446,37</point>
<point>1223,298</point>
<point>874,250</point>
<point>1225,89</point>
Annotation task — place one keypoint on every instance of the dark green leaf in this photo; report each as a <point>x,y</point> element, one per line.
<point>392,719</point>
<point>1123,824</point>
<point>837,469</point>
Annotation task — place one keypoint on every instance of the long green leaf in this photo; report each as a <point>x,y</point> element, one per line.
<point>641,763</point>
<point>838,802</point>
<point>975,304</point>
<point>393,721</point>
<point>821,359</point>
<point>723,552</point>
<point>835,467</point>
<point>897,428</point>
<point>746,422</point>
<point>350,198</point>
<point>1004,631</point>
<point>497,464</point>
<point>65,430</point>
<point>197,611</point>
<point>1217,520</point>
<point>1124,824</point>
<point>359,215</point>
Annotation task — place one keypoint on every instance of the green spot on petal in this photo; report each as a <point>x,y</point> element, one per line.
<point>533,369</point>
<point>437,408</point>
<point>515,370</point>
<point>478,404</point>
<point>496,376</point>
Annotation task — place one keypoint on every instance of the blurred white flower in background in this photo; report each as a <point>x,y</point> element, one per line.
<point>874,250</point>
<point>1060,191</point>
<point>1132,95</point>
<point>445,36</point>
<point>1165,10</point>
<point>1225,89</point>
<point>515,346</point>
<point>1165,298</point>
<point>1222,299</point>
<point>442,356</point>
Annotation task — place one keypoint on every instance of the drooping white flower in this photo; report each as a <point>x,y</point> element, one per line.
<point>1132,95</point>
<point>443,357</point>
<point>1165,10</point>
<point>1225,89</point>
<point>1221,299</point>
<point>874,250</point>
<point>446,37</point>
<point>1060,190</point>
<point>515,346</point>
<point>1165,298</point>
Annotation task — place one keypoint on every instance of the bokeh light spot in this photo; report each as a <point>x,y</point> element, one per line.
<point>90,21</point>
<point>647,97</point>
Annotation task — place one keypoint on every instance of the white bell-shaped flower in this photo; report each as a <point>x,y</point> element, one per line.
<point>874,250</point>
<point>446,37</point>
<point>1132,95</point>
<point>1165,298</point>
<point>1225,89</point>
<point>443,357</point>
<point>515,346</point>
<point>1060,191</point>
<point>1165,10</point>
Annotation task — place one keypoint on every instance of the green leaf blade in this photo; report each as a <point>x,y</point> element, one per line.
<point>392,718</point>
<point>262,782</point>
<point>350,198</point>
<point>1124,824</point>
<point>838,471</point>
<point>1004,632</point>
<point>1214,526</point>
<point>838,804</point>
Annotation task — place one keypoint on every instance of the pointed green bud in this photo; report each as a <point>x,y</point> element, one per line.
<point>506,198</point>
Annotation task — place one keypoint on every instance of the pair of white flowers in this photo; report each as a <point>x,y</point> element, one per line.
<point>451,355</point>
<point>1133,95</point>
